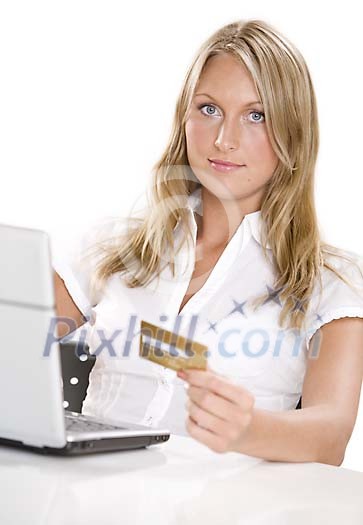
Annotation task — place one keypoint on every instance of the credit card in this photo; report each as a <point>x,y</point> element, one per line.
<point>170,349</point>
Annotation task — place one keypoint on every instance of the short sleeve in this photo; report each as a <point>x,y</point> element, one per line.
<point>76,260</point>
<point>337,299</point>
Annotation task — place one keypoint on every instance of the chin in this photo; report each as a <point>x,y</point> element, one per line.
<point>222,191</point>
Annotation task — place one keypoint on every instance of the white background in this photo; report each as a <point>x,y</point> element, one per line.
<point>87,96</point>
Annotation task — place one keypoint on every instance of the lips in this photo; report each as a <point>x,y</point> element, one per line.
<point>225,163</point>
<point>222,167</point>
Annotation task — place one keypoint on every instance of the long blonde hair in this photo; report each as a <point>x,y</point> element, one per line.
<point>283,82</point>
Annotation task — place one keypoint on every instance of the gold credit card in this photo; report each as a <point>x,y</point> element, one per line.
<point>170,349</point>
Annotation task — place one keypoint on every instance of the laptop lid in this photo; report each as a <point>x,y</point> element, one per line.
<point>31,393</point>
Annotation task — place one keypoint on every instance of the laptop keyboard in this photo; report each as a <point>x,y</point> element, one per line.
<point>80,423</point>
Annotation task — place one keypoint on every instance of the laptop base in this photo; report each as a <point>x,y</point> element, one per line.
<point>77,448</point>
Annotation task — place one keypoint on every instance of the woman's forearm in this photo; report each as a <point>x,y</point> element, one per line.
<point>307,434</point>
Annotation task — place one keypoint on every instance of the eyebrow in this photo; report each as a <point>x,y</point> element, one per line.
<point>246,105</point>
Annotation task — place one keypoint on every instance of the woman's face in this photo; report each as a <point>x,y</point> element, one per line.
<point>225,122</point>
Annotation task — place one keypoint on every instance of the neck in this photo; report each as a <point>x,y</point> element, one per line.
<point>220,219</point>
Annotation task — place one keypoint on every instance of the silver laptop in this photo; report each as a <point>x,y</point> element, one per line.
<point>32,410</point>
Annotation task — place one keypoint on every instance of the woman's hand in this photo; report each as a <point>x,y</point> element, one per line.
<point>220,412</point>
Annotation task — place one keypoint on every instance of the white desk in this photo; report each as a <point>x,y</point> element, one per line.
<point>177,483</point>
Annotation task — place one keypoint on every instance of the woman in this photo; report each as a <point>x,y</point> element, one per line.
<point>230,256</point>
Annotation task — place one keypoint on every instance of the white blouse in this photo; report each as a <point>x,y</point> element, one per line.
<point>244,345</point>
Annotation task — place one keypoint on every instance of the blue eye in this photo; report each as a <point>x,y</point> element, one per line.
<point>206,106</point>
<point>258,113</point>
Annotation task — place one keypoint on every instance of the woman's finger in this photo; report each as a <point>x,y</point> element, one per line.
<point>221,386</point>
<point>212,403</point>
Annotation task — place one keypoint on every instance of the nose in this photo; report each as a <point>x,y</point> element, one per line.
<point>228,136</point>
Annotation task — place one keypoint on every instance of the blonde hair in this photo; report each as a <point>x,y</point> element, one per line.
<point>283,82</point>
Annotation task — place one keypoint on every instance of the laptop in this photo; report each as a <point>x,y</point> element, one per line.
<point>32,409</point>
